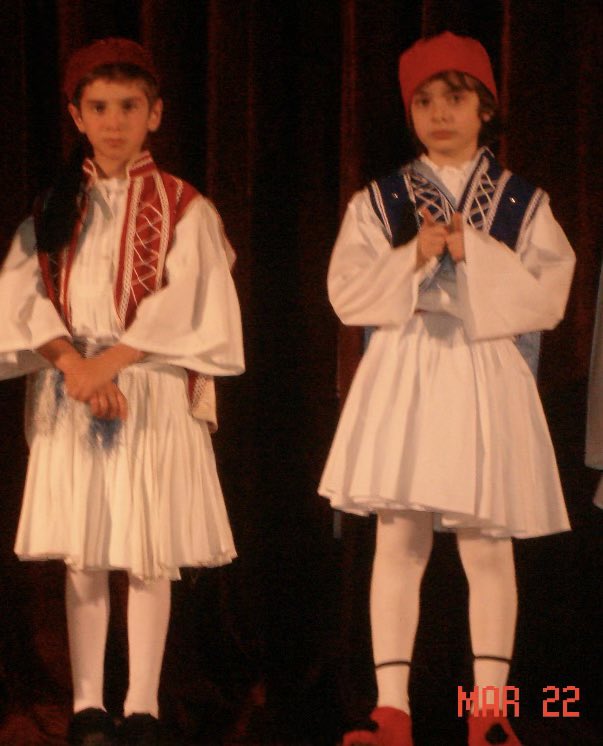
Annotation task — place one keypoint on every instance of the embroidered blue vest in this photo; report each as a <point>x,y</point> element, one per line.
<point>495,201</point>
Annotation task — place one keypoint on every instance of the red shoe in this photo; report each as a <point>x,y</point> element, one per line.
<point>360,738</point>
<point>395,726</point>
<point>491,729</point>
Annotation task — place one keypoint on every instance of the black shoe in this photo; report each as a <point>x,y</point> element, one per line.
<point>91,727</point>
<point>140,729</point>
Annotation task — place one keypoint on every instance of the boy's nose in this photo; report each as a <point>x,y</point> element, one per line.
<point>439,111</point>
<point>114,118</point>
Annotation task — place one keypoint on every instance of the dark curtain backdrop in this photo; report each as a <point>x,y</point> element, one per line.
<point>278,112</point>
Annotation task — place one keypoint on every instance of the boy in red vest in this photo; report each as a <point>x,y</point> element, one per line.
<point>117,295</point>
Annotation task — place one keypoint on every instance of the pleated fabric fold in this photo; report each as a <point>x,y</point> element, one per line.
<point>436,422</point>
<point>149,501</point>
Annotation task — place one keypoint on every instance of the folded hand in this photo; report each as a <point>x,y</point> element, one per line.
<point>85,376</point>
<point>109,403</point>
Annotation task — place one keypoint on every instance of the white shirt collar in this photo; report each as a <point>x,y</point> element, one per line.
<point>453,177</point>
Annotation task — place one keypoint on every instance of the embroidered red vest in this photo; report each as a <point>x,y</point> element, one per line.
<point>156,201</point>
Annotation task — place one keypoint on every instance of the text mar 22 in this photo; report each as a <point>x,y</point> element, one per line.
<point>504,701</point>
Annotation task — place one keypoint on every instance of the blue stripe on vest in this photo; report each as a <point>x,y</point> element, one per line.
<point>396,210</point>
<point>399,215</point>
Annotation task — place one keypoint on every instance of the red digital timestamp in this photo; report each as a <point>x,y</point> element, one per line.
<point>558,702</point>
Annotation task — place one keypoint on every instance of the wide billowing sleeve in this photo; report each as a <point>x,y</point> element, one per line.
<point>28,319</point>
<point>503,292</point>
<point>369,282</point>
<point>194,321</point>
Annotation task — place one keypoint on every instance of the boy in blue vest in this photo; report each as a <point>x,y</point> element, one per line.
<point>458,264</point>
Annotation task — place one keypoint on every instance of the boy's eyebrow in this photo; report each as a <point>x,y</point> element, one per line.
<point>452,87</point>
<point>126,99</point>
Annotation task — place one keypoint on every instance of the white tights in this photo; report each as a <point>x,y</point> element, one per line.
<point>87,604</point>
<point>404,542</point>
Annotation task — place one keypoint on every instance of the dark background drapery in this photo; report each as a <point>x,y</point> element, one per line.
<point>278,112</point>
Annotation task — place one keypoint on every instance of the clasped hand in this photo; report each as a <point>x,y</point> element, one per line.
<point>434,238</point>
<point>91,380</point>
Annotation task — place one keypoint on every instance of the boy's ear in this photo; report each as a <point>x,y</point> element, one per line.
<point>155,114</point>
<point>76,116</point>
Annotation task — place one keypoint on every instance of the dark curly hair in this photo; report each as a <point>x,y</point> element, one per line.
<point>119,71</point>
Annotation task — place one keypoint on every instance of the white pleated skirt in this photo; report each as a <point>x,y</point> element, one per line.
<point>436,423</point>
<point>144,497</point>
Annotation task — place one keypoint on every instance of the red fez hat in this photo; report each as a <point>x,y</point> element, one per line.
<point>105,52</point>
<point>447,51</point>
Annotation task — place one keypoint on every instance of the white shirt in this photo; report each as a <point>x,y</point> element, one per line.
<point>193,322</point>
<point>497,292</point>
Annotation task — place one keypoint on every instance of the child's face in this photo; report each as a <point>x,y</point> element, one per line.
<point>447,121</point>
<point>116,117</point>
